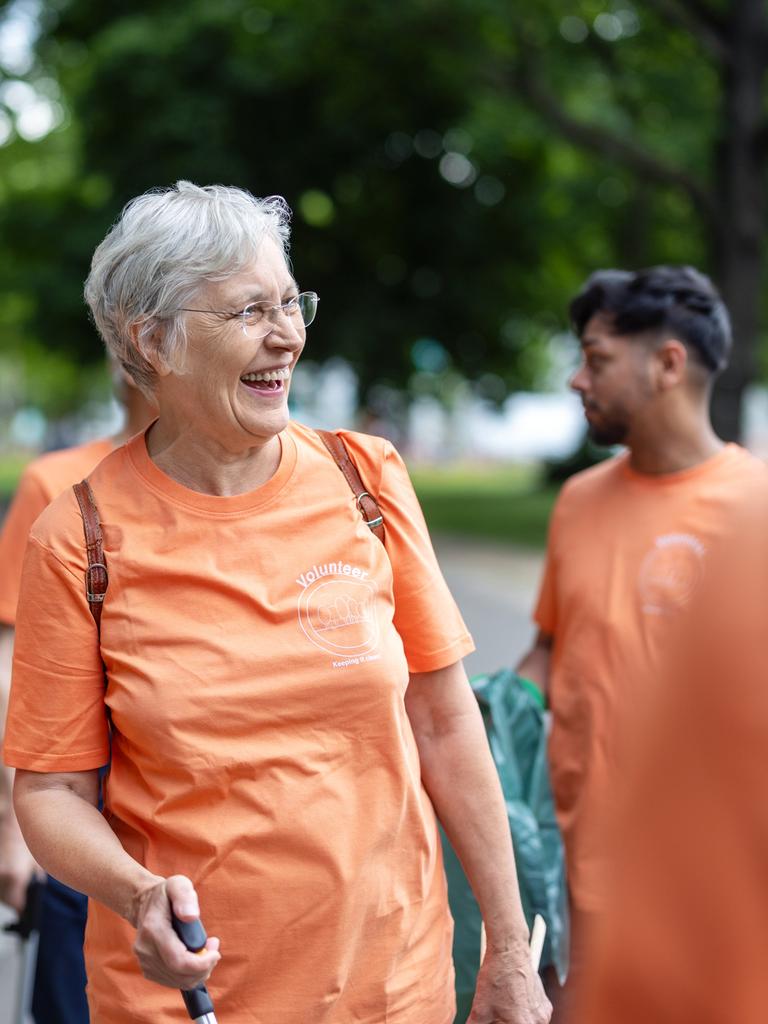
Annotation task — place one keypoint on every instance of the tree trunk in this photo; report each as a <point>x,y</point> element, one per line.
<point>739,233</point>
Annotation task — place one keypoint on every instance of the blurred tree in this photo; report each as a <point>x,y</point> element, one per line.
<point>344,107</point>
<point>441,218</point>
<point>672,92</point>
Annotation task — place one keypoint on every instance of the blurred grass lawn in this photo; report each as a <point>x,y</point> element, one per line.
<point>501,503</point>
<point>11,466</point>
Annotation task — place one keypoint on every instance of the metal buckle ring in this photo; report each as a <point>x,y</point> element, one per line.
<point>88,592</point>
<point>373,523</point>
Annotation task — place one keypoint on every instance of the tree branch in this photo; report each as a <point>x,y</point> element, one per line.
<point>697,19</point>
<point>624,151</point>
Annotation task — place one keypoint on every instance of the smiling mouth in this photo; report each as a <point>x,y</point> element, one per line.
<point>270,382</point>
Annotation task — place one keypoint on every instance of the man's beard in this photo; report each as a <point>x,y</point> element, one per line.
<point>608,432</point>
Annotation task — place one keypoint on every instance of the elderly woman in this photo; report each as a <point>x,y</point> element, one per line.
<point>282,694</point>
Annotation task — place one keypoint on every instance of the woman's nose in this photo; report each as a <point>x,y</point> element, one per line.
<point>286,332</point>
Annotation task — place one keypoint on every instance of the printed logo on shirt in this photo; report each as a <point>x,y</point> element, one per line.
<point>670,573</point>
<point>337,610</point>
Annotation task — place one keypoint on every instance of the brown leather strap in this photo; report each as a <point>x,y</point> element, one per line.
<point>96,575</point>
<point>367,504</point>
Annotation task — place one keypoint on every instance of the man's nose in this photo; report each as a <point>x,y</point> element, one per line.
<point>578,381</point>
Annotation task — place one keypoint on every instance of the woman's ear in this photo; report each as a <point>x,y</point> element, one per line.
<point>146,338</point>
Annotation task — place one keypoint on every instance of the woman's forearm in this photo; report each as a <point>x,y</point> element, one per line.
<point>71,840</point>
<point>465,792</point>
<point>460,777</point>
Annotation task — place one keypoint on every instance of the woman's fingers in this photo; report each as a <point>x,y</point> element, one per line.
<point>182,897</point>
<point>161,954</point>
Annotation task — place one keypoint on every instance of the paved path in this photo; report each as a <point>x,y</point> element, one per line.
<point>495,588</point>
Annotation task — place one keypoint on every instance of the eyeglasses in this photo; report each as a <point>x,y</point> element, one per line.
<point>261,314</point>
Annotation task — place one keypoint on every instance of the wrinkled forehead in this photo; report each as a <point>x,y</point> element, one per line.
<point>266,277</point>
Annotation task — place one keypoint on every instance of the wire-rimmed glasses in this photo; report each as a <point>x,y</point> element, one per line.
<point>262,314</point>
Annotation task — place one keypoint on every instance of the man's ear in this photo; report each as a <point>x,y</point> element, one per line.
<point>671,359</point>
<point>145,338</point>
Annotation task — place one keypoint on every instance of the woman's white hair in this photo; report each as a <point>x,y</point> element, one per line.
<point>165,246</point>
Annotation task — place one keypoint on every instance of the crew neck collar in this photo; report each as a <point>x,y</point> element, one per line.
<point>680,475</point>
<point>165,485</point>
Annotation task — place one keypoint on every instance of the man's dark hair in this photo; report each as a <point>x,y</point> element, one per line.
<point>677,301</point>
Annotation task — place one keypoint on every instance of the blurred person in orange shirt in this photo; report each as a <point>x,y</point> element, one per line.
<point>59,991</point>
<point>683,936</point>
<point>628,545</point>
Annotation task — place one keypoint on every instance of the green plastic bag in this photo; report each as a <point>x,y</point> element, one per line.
<point>515,724</point>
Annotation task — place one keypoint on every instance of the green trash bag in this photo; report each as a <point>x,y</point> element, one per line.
<point>513,713</point>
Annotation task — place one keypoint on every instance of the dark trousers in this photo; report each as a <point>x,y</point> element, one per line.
<point>59,992</point>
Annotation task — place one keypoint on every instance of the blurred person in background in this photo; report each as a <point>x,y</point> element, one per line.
<point>683,936</point>
<point>289,712</point>
<point>59,989</point>
<point>628,544</point>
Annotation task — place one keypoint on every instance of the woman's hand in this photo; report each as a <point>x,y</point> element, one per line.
<point>509,991</point>
<point>161,954</point>
<point>72,840</point>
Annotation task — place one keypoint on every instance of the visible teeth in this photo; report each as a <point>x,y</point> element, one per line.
<point>282,374</point>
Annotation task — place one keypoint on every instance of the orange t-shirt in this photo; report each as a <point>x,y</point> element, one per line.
<point>684,933</point>
<point>257,651</point>
<point>626,554</point>
<point>41,481</point>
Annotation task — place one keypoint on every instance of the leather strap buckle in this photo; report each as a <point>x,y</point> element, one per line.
<point>91,585</point>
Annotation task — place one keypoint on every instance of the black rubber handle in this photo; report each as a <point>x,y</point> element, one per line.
<point>193,935</point>
<point>197,1001</point>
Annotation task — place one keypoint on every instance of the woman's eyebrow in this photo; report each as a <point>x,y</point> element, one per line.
<point>256,294</point>
<point>244,298</point>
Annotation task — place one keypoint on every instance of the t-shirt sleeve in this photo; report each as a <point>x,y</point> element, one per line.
<point>28,502</point>
<point>426,616</point>
<point>545,614</point>
<point>56,716</point>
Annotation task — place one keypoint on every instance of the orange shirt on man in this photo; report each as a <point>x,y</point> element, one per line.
<point>257,651</point>
<point>684,933</point>
<point>627,553</point>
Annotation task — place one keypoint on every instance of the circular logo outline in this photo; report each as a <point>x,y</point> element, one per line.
<point>670,573</point>
<point>346,604</point>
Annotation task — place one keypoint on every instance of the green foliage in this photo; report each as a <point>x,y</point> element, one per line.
<point>11,468</point>
<point>430,201</point>
<point>508,504</point>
